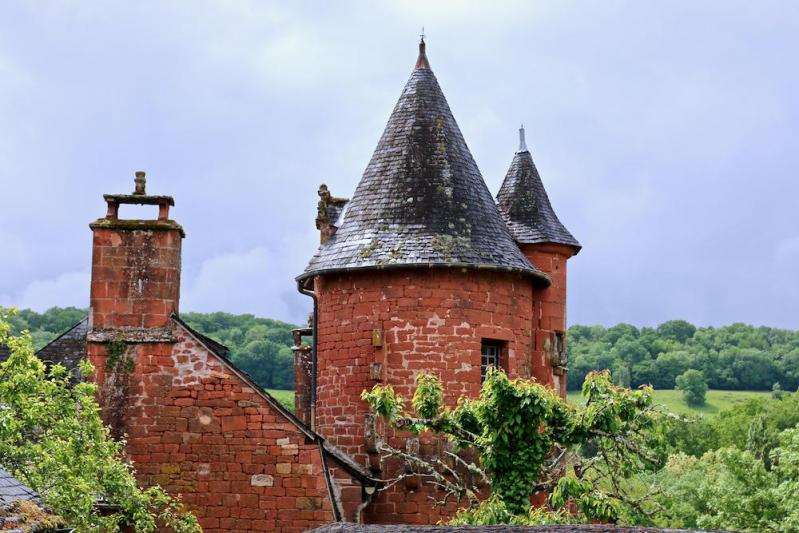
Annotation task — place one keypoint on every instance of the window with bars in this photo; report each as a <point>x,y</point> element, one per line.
<point>490,353</point>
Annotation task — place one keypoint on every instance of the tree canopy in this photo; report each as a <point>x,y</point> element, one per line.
<point>52,439</point>
<point>735,357</point>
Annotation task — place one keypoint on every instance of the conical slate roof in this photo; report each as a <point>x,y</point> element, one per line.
<point>525,206</point>
<point>421,200</point>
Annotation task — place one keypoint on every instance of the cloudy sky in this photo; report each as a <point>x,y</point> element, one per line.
<point>666,134</point>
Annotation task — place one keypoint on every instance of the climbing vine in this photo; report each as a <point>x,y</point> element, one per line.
<point>520,438</point>
<point>117,350</point>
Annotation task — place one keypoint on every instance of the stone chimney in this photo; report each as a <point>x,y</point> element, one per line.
<point>135,284</point>
<point>135,288</point>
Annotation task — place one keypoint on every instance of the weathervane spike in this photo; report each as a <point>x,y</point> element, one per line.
<point>522,142</point>
<point>421,61</point>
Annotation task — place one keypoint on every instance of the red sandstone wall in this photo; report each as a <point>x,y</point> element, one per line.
<point>431,320</point>
<point>198,430</point>
<point>135,277</point>
<point>550,301</point>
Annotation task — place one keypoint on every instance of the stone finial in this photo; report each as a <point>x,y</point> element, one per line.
<point>522,142</point>
<point>141,183</point>
<point>421,61</point>
<point>324,193</point>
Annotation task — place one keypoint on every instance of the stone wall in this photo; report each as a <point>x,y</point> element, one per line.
<point>385,327</point>
<point>201,431</point>
<point>550,311</point>
<point>135,277</point>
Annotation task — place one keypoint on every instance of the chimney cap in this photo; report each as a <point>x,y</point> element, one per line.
<point>139,195</point>
<point>141,183</point>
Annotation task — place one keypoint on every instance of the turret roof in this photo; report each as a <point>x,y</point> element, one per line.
<point>525,206</point>
<point>422,200</point>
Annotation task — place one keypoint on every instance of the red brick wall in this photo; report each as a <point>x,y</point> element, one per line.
<point>550,301</point>
<point>200,431</point>
<point>135,277</point>
<point>431,320</point>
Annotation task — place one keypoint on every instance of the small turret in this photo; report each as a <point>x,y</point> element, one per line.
<point>525,206</point>
<point>545,241</point>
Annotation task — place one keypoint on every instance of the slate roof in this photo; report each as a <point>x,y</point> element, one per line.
<point>577,528</point>
<point>525,206</point>
<point>422,200</point>
<point>11,490</point>
<point>69,348</point>
<point>21,509</point>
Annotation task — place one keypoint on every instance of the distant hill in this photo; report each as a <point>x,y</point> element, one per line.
<point>735,357</point>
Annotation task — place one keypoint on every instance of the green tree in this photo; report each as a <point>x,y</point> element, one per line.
<point>669,366</point>
<point>521,431</point>
<point>52,438</point>
<point>693,387</point>
<point>760,440</point>
<point>731,489</point>
<point>678,330</point>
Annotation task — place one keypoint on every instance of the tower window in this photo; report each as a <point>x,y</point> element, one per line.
<point>490,354</point>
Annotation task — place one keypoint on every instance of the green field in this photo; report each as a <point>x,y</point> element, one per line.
<point>717,400</point>
<point>285,397</point>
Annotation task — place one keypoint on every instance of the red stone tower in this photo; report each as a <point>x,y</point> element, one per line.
<point>419,271</point>
<point>546,243</point>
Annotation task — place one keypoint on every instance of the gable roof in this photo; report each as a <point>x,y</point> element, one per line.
<point>422,200</point>
<point>525,206</point>
<point>221,351</point>
<point>70,348</point>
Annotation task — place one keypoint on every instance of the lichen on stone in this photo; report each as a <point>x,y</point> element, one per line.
<point>446,244</point>
<point>368,250</point>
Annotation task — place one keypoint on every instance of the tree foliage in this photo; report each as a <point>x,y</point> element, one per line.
<point>525,438</point>
<point>693,387</point>
<point>732,489</point>
<point>52,438</point>
<point>735,357</point>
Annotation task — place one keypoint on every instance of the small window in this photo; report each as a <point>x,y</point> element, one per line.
<point>490,353</point>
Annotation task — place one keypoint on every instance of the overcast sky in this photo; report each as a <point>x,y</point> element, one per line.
<point>665,132</point>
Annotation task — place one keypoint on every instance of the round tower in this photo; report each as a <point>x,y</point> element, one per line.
<point>545,241</point>
<point>416,272</point>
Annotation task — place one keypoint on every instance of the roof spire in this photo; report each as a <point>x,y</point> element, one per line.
<point>522,142</point>
<point>421,61</point>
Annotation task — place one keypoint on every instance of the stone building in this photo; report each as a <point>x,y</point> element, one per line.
<point>193,422</point>
<point>423,270</point>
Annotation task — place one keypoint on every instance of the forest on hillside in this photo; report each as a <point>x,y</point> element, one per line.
<point>734,357</point>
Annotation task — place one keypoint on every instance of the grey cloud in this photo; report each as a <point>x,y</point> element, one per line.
<point>665,134</point>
